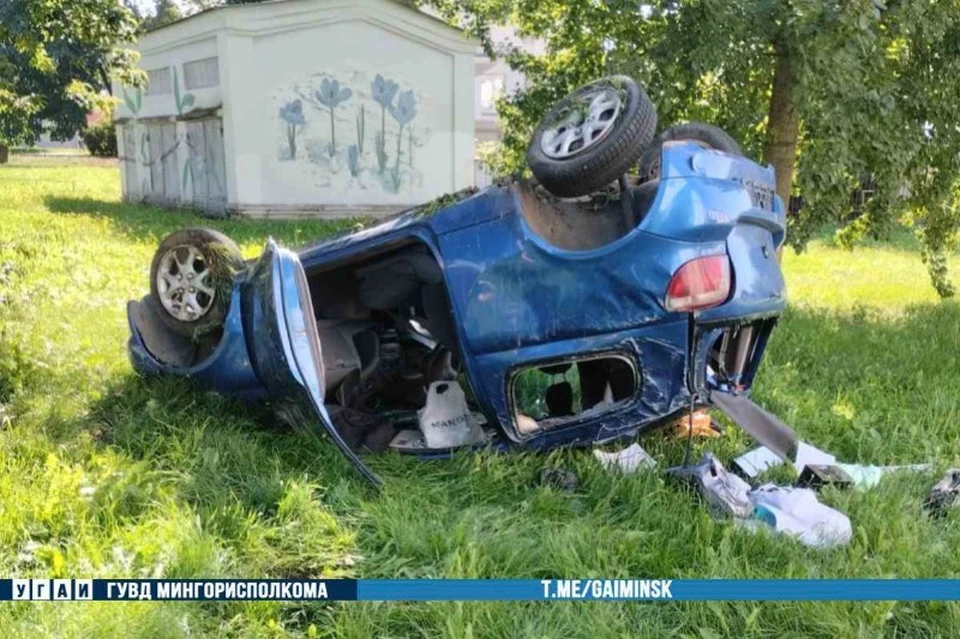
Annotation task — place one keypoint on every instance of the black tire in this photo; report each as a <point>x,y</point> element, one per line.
<point>706,134</point>
<point>604,160</point>
<point>220,255</point>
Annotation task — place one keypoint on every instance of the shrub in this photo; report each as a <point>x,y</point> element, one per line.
<point>100,139</point>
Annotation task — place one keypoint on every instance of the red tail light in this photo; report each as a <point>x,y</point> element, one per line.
<point>700,283</point>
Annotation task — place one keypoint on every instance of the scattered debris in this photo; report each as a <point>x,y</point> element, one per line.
<point>445,419</point>
<point>559,478</point>
<point>409,441</point>
<point>807,455</point>
<point>793,511</point>
<point>703,425</point>
<point>756,461</point>
<point>943,495</point>
<point>627,460</point>
<point>798,513</point>
<point>816,476</point>
<point>844,475</point>
<point>412,441</point>
<point>724,492</point>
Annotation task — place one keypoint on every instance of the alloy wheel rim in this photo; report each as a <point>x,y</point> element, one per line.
<point>182,283</point>
<point>582,125</point>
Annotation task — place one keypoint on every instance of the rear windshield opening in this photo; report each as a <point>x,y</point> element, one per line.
<point>548,396</point>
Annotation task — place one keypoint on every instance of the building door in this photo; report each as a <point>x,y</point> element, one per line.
<point>128,154</point>
<point>160,164</point>
<point>206,165</point>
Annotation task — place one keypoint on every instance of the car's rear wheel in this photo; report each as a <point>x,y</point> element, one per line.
<point>592,137</point>
<point>706,134</point>
<point>190,279</point>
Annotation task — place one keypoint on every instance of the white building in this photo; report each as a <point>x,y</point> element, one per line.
<point>495,79</point>
<point>299,107</point>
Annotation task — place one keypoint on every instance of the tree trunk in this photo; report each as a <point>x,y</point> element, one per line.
<point>783,126</point>
<point>4,153</point>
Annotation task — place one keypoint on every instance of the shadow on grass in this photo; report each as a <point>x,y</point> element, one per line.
<point>150,223</point>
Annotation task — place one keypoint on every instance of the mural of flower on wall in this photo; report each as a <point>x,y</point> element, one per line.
<point>404,112</point>
<point>353,160</point>
<point>323,161</point>
<point>383,91</point>
<point>184,101</point>
<point>134,102</point>
<point>331,96</point>
<point>292,114</point>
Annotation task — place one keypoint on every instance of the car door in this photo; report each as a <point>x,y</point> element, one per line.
<point>285,346</point>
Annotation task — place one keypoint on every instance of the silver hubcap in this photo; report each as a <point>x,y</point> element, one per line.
<point>583,125</point>
<point>182,283</point>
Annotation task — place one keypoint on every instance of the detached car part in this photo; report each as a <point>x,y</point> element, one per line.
<point>564,323</point>
<point>944,494</point>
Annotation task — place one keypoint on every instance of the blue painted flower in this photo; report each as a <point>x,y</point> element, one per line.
<point>406,108</point>
<point>383,90</point>
<point>331,95</point>
<point>292,113</point>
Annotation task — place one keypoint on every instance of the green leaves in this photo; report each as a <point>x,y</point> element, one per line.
<point>876,86</point>
<point>56,61</point>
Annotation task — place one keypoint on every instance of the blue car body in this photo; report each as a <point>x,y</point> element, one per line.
<point>517,300</point>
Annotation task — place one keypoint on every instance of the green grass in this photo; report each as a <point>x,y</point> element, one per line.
<point>106,475</point>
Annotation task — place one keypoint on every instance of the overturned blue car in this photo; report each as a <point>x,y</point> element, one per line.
<point>570,311</point>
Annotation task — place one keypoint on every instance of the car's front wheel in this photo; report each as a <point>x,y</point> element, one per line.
<point>191,277</point>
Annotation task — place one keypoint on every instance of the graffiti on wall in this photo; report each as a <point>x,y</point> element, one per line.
<point>323,123</point>
<point>153,148</point>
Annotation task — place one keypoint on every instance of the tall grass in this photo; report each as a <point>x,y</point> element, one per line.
<point>104,474</point>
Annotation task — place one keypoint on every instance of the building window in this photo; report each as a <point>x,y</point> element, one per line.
<point>158,82</point>
<point>491,89</point>
<point>201,74</point>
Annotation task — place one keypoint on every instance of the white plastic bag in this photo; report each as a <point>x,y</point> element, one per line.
<point>445,419</point>
<point>797,512</point>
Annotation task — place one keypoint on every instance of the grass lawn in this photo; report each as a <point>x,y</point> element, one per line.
<point>106,475</point>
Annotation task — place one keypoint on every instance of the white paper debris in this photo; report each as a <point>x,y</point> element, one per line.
<point>798,513</point>
<point>807,454</point>
<point>754,462</point>
<point>627,460</point>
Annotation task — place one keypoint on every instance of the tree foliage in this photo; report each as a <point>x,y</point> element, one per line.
<point>165,12</point>
<point>56,61</point>
<point>100,139</point>
<point>874,87</point>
